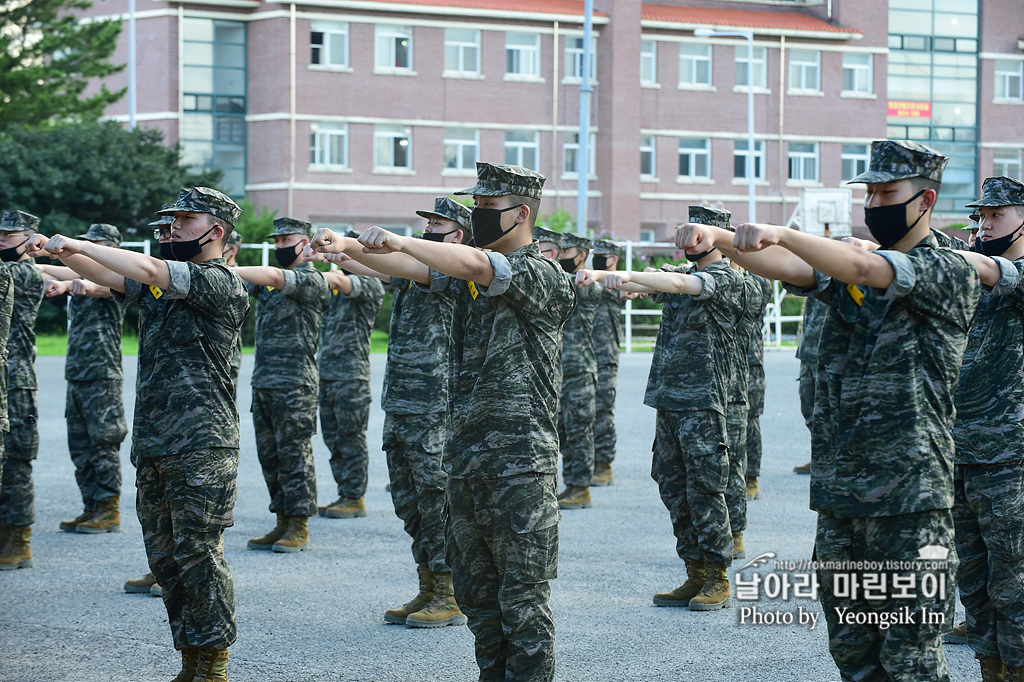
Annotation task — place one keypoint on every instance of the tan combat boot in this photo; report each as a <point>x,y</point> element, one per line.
<point>69,525</point>
<point>212,665</point>
<point>296,536</point>
<point>804,469</point>
<point>156,590</point>
<point>17,553</point>
<point>716,593</point>
<point>398,616</point>
<point>140,585</point>
<point>602,474</point>
<point>442,609</point>
<point>5,534</point>
<point>266,542</point>
<point>682,595</point>
<point>106,518</point>
<point>575,497</point>
<point>993,670</point>
<point>345,508</point>
<point>1014,673</point>
<point>753,489</point>
<point>958,635</point>
<point>738,550</point>
<point>189,663</point>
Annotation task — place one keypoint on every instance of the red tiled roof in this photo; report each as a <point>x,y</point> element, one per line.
<point>744,18</point>
<point>572,7</point>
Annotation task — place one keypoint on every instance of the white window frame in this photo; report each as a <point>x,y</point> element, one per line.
<point>332,32</point>
<point>570,148</point>
<point>649,236</point>
<point>470,137</point>
<point>858,159</point>
<point>759,67</point>
<point>1009,80</point>
<point>527,55</point>
<point>759,160</point>
<point>804,71</point>
<point>804,165</point>
<point>649,147</point>
<point>690,63</point>
<point>385,137</point>
<point>386,38</point>
<point>321,135</point>
<point>694,155</point>
<point>574,59</point>
<point>649,62</point>
<point>1009,165</point>
<point>861,75</point>
<point>521,147</point>
<point>461,46</point>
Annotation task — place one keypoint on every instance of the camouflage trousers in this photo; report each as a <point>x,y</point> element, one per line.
<point>736,492</point>
<point>576,428</point>
<point>755,407</point>
<point>285,421</point>
<point>604,412</point>
<point>414,443</point>
<point>988,510</point>
<point>344,414</point>
<point>94,411</point>
<point>502,545</point>
<point>184,503</point>
<point>808,375</point>
<point>21,444</point>
<point>899,633</point>
<point>691,467</point>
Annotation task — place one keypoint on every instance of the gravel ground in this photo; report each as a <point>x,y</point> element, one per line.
<point>318,615</point>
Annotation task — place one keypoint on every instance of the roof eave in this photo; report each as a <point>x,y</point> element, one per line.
<point>757,30</point>
<point>446,10</point>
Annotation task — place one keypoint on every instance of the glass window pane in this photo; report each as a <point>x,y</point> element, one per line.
<point>229,32</point>
<point>196,154</point>
<point>197,29</point>
<point>229,81</point>
<point>197,79</point>
<point>230,55</point>
<point>199,54</point>
<point>197,127</point>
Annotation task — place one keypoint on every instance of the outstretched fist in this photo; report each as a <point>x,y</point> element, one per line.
<point>55,287</point>
<point>756,236</point>
<point>694,237</point>
<point>378,240</point>
<point>35,246</point>
<point>613,280</point>
<point>585,278</point>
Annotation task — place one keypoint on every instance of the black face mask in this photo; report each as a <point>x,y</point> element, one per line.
<point>568,264</point>
<point>487,224</point>
<point>11,253</point>
<point>438,236</point>
<point>888,224</point>
<point>600,262</point>
<point>165,251</point>
<point>997,246</point>
<point>694,259</point>
<point>186,250</point>
<point>285,256</point>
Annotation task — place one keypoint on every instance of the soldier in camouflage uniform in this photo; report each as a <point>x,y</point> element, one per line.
<point>6,311</point>
<point>549,242</point>
<point>579,381</point>
<point>94,409</point>
<point>502,453</point>
<point>17,494</point>
<point>988,508</point>
<point>763,291</point>
<point>290,301</point>
<point>607,346</point>
<point>232,247</point>
<point>185,435</point>
<point>807,354</point>
<point>881,446</point>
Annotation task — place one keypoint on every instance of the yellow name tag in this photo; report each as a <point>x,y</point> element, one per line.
<point>334,291</point>
<point>856,294</point>
<point>270,288</point>
<point>472,289</point>
<point>156,291</point>
<point>409,288</point>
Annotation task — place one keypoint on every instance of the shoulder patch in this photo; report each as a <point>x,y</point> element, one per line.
<point>156,291</point>
<point>856,294</point>
<point>472,289</point>
<point>270,288</point>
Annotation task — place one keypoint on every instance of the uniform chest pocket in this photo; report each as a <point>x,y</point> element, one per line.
<point>180,325</point>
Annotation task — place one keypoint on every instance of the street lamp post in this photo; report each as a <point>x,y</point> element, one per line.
<point>749,35</point>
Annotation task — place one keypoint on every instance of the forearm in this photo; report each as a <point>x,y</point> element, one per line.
<point>773,262</point>
<point>667,282</point>
<point>91,270</point>
<point>841,261</point>
<point>388,265</point>
<point>455,260</point>
<point>355,268</point>
<point>58,272</point>
<point>262,275</point>
<point>988,269</point>
<point>130,264</point>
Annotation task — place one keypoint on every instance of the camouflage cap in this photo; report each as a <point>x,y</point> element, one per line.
<point>205,200</point>
<point>16,221</point>
<point>893,160</point>
<point>447,209</point>
<point>571,239</point>
<point>716,217</point>
<point>352,234</point>
<point>102,232</point>
<point>284,226</point>
<point>163,219</point>
<point>499,179</point>
<point>1000,191</point>
<point>543,234</point>
<point>606,247</point>
<point>234,239</point>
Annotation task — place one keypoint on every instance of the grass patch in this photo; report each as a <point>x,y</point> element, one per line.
<point>57,344</point>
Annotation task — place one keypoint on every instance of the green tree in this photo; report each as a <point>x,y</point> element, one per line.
<point>559,221</point>
<point>254,229</point>
<point>47,58</point>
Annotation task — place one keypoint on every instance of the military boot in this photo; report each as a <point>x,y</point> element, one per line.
<point>993,670</point>
<point>140,585</point>
<point>156,591</point>
<point>212,665</point>
<point>575,497</point>
<point>804,469</point>
<point>602,474</point>
<point>441,610</point>
<point>958,635</point>
<point>1014,673</point>
<point>426,593</point>
<point>682,595</point>
<point>753,489</point>
<point>345,508</point>
<point>738,550</point>
<point>715,594</point>
<point>296,536</point>
<point>267,541</point>
<point>5,534</point>
<point>17,553</point>
<point>69,525</point>
<point>189,663</point>
<point>106,518</point>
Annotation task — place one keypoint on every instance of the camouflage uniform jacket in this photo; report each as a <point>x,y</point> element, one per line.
<point>21,344</point>
<point>881,440</point>
<point>416,376</point>
<point>814,318</point>
<point>690,367</point>
<point>608,327</point>
<point>288,328</point>
<point>578,355</point>
<point>756,290</point>
<point>989,426</point>
<point>6,312</point>
<point>502,393</point>
<point>755,353</point>
<point>185,400</point>
<point>345,335</point>
<point>94,339</point>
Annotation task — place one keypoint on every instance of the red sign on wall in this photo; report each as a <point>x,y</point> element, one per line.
<point>910,109</point>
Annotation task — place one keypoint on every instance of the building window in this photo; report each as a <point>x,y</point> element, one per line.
<point>1009,76</point>
<point>461,51</point>
<point>392,147</point>
<point>805,70</point>
<point>857,73</point>
<point>694,158</point>
<point>574,59</point>
<point>394,48</point>
<point>570,155</point>
<point>647,159</point>
<point>647,235</point>
<point>329,43</point>
<point>522,54</point>
<point>757,67</point>
<point>404,230</point>
<point>328,144</point>
<point>739,159</point>
<point>648,61</point>
<point>521,149</point>
<point>803,161</point>
<point>1006,162</point>
<point>694,65</point>
<point>855,160</point>
<point>460,148</point>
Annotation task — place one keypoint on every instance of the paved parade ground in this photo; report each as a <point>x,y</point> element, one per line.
<point>318,615</point>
